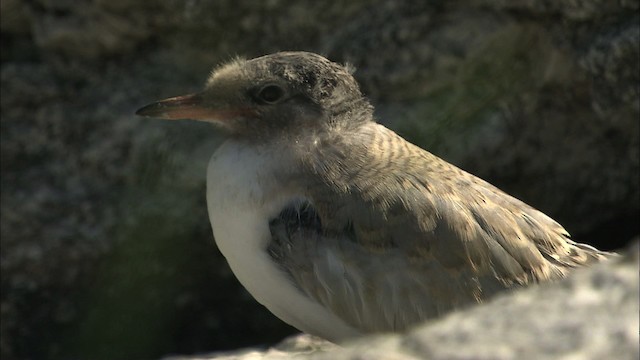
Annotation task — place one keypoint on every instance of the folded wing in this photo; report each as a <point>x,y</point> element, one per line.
<point>398,235</point>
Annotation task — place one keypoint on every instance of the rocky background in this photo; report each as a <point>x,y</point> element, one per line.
<point>107,251</point>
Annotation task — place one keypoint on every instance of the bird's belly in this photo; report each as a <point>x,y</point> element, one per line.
<point>241,198</point>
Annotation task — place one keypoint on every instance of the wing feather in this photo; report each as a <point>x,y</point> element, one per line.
<point>389,235</point>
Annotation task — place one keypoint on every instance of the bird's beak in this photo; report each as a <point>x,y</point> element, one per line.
<point>192,106</point>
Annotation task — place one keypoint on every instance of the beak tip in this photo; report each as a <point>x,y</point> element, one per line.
<point>172,108</point>
<point>142,112</point>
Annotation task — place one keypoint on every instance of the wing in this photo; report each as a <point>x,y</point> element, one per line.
<point>390,235</point>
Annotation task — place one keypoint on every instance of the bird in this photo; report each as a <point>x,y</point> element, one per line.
<point>339,226</point>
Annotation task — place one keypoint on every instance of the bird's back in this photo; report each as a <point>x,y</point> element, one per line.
<point>392,235</point>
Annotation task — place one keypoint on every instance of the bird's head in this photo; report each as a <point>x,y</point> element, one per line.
<point>281,92</point>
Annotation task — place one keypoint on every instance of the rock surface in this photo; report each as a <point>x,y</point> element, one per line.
<point>106,246</point>
<point>591,315</point>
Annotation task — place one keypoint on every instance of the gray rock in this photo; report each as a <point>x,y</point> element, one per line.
<point>593,314</point>
<point>298,346</point>
<point>103,226</point>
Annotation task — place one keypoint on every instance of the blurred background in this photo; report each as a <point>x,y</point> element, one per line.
<point>107,250</point>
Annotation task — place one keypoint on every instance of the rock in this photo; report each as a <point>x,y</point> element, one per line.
<point>297,346</point>
<point>103,225</point>
<point>593,314</point>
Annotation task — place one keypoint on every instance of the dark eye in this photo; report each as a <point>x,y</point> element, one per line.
<point>271,94</point>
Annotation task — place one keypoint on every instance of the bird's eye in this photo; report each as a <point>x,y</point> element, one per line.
<point>271,94</point>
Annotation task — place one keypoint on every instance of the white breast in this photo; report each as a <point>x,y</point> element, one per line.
<point>242,195</point>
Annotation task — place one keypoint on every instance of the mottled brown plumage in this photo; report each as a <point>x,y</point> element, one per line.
<point>428,236</point>
<point>377,231</point>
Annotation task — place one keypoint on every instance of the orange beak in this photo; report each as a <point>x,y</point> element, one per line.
<point>190,106</point>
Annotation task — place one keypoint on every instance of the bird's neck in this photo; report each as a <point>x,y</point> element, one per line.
<point>350,115</point>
